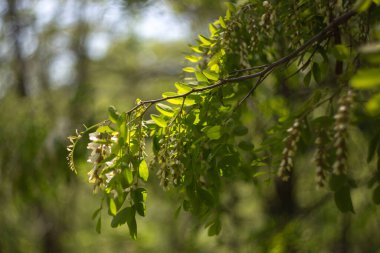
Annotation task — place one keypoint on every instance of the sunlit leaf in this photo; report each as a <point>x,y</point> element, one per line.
<point>205,41</point>
<point>143,170</point>
<point>165,110</point>
<point>197,50</point>
<point>182,88</point>
<point>362,5</point>
<point>373,105</point>
<point>193,58</point>
<point>371,52</point>
<point>104,129</point>
<point>189,69</point>
<point>112,206</point>
<point>212,29</point>
<point>211,75</point>
<point>128,175</point>
<point>174,101</point>
<point>201,77</point>
<point>213,133</point>
<point>222,23</point>
<point>158,120</point>
<point>366,79</point>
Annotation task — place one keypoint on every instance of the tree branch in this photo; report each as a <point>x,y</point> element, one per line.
<point>322,35</point>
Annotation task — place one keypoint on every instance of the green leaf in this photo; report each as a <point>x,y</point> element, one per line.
<point>165,110</point>
<point>186,205</point>
<point>122,126</point>
<point>120,218</point>
<point>143,170</point>
<point>372,147</point>
<point>113,115</point>
<point>373,105</point>
<point>159,121</point>
<point>104,129</point>
<point>200,77</point>
<point>140,208</point>
<point>376,195</point>
<point>182,88</point>
<point>260,173</point>
<point>193,58</point>
<point>139,195</point>
<point>341,52</point>
<point>343,200</point>
<point>128,175</point>
<point>212,29</point>
<point>215,228</point>
<point>222,23</point>
<point>246,145</point>
<point>205,41</point>
<point>240,130</point>
<point>189,69</point>
<point>371,52</point>
<point>174,101</point>
<point>112,207</point>
<point>307,79</point>
<point>99,225</point>
<point>316,72</point>
<point>197,50</point>
<point>362,5</point>
<point>127,215</point>
<point>231,7</point>
<point>366,79</point>
<point>206,197</point>
<point>213,133</point>
<point>338,182</point>
<point>211,75</point>
<point>215,59</point>
<point>96,213</point>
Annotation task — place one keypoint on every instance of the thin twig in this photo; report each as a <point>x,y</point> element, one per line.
<point>248,69</point>
<point>315,39</point>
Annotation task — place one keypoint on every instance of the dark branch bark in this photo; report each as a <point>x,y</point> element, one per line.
<point>322,35</point>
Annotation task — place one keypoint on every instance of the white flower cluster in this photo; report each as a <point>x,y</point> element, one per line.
<point>170,168</point>
<point>319,159</point>
<point>100,150</point>
<point>289,151</point>
<point>340,129</point>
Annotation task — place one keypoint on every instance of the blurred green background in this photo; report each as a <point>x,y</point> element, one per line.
<point>62,63</point>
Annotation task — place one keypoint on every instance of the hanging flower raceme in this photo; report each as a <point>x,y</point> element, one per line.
<point>340,129</point>
<point>100,150</point>
<point>320,162</point>
<point>289,151</point>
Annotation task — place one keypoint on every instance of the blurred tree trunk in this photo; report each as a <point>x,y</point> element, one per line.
<point>19,64</point>
<point>78,47</point>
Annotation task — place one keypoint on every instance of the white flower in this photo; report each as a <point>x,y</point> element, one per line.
<point>94,136</point>
<point>112,162</point>
<point>92,174</point>
<point>109,176</point>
